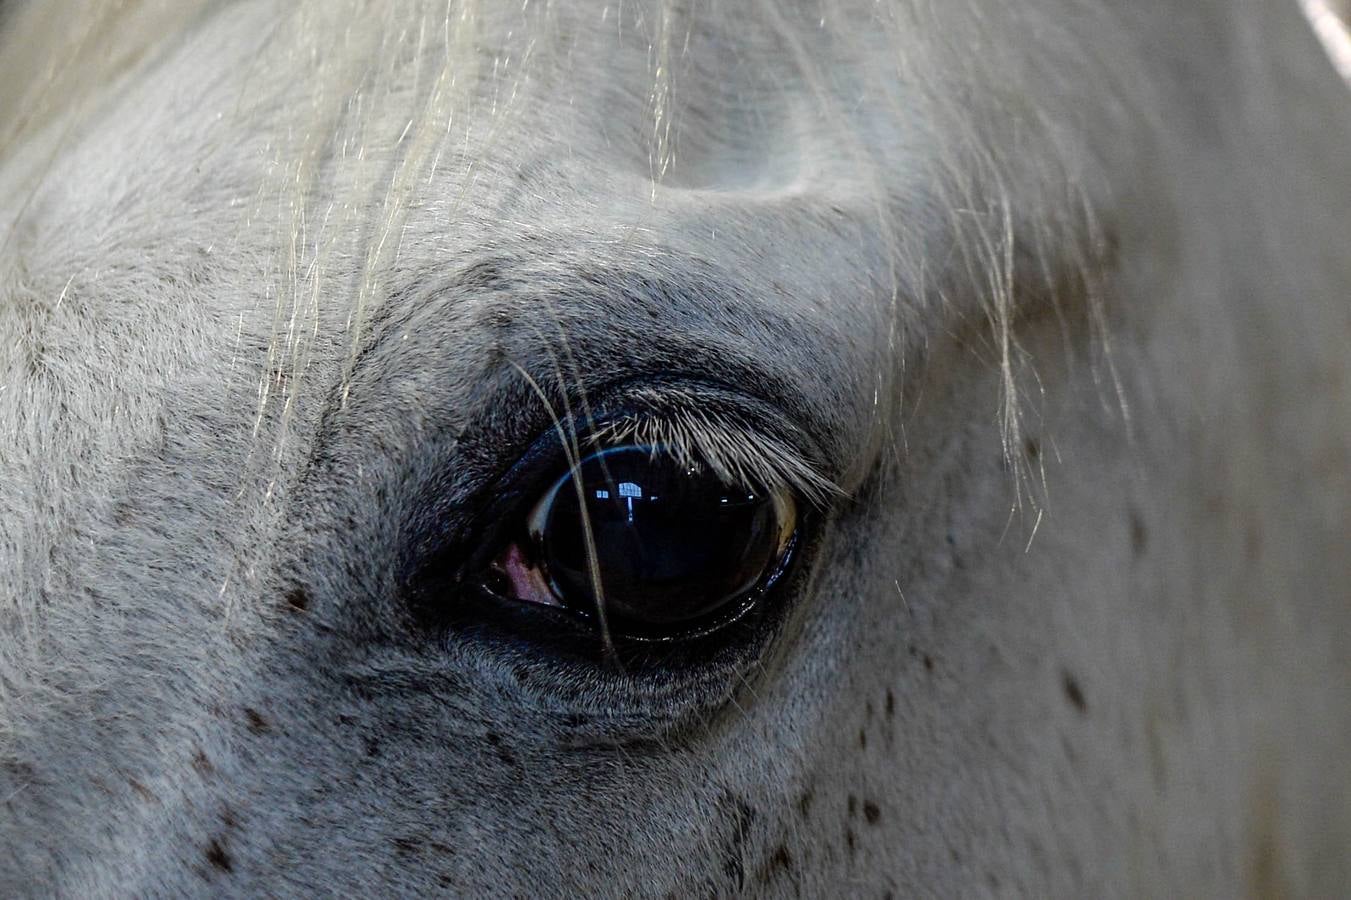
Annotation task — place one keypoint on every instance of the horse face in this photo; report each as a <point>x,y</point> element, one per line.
<point>305,311</point>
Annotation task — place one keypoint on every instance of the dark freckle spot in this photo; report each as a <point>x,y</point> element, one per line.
<point>201,763</point>
<point>868,709</point>
<point>216,855</point>
<point>853,806</point>
<point>297,600</point>
<point>1073,693</point>
<point>871,813</point>
<point>1252,541</point>
<point>891,703</point>
<point>1032,447</point>
<point>862,739</point>
<point>1139,535</point>
<point>804,804</point>
<point>406,847</point>
<point>227,818</point>
<point>484,274</point>
<point>20,770</point>
<point>257,724</point>
<point>851,842</point>
<point>780,861</point>
<point>372,745</point>
<point>495,741</point>
<point>928,663</point>
<point>951,539</point>
<point>739,819</point>
<point>141,789</point>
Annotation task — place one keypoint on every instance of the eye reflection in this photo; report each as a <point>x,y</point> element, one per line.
<point>672,544</point>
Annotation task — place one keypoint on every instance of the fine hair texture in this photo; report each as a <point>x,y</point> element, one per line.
<point>1039,308</point>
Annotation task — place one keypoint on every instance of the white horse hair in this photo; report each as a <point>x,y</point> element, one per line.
<point>1041,307</point>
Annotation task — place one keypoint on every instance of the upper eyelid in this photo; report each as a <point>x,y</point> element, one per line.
<point>545,322</point>
<point>489,415</point>
<point>767,450</point>
<point>738,451</point>
<point>760,446</point>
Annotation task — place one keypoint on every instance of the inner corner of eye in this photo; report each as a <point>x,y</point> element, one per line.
<point>521,577</point>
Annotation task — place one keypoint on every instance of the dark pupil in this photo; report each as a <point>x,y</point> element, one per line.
<point>673,543</point>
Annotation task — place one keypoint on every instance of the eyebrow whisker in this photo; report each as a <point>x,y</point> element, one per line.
<point>569,443</point>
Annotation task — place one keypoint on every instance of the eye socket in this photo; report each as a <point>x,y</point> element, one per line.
<point>678,552</point>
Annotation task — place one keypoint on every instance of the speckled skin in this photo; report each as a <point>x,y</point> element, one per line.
<point>1054,291</point>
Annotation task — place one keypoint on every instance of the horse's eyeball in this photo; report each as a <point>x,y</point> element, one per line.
<point>676,551</point>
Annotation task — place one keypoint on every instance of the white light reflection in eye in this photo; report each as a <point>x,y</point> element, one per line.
<point>1329,21</point>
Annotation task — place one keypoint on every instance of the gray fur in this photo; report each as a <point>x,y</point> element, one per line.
<point>1053,293</point>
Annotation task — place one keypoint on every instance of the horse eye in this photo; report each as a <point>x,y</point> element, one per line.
<point>676,551</point>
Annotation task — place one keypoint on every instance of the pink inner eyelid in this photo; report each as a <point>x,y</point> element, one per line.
<point>526,579</point>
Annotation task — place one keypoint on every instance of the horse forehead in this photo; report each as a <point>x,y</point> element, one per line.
<point>240,155</point>
<point>232,129</point>
<point>174,251</point>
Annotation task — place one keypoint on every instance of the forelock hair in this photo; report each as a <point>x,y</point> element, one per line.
<point>1010,180</point>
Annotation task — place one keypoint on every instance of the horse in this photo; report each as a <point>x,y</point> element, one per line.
<point>666,448</point>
